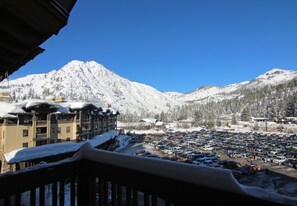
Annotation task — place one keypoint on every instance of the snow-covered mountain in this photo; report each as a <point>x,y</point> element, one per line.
<point>90,81</point>
<point>213,93</point>
<point>273,77</point>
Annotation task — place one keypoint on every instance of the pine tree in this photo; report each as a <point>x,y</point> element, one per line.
<point>198,118</point>
<point>234,121</point>
<point>245,116</point>
<point>290,109</point>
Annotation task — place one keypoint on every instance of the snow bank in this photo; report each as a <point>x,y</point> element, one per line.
<point>217,178</point>
<point>123,141</point>
<point>211,177</point>
<point>25,154</point>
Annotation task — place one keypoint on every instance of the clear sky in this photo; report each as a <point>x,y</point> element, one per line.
<point>176,45</point>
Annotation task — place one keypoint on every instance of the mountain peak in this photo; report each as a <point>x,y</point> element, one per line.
<point>81,64</point>
<point>91,81</point>
<point>275,71</point>
<point>276,76</point>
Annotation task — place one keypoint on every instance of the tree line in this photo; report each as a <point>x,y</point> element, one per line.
<point>270,101</point>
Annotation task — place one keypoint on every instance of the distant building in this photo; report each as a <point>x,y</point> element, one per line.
<point>5,96</point>
<point>258,119</point>
<point>148,120</point>
<point>290,120</point>
<point>57,100</point>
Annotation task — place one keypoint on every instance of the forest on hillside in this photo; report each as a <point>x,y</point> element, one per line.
<point>272,101</point>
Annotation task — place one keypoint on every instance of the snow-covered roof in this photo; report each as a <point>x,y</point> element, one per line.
<point>5,90</point>
<point>25,154</point>
<point>260,118</point>
<point>7,108</point>
<point>33,102</point>
<point>148,120</point>
<point>160,123</point>
<point>112,111</point>
<point>80,105</point>
<point>61,108</point>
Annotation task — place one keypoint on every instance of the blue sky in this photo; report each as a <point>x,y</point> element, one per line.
<point>176,45</point>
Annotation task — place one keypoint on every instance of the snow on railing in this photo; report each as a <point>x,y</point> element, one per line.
<point>25,154</point>
<point>216,178</point>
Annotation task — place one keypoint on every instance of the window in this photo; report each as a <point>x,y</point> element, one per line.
<point>41,130</point>
<point>68,139</point>
<point>68,130</point>
<point>25,133</point>
<point>52,141</point>
<point>53,130</point>
<point>41,142</point>
<point>59,130</point>
<point>25,144</point>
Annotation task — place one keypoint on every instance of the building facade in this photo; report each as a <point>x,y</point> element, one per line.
<point>36,122</point>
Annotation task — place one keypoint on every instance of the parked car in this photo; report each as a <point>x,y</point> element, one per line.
<point>237,154</point>
<point>268,158</point>
<point>279,159</point>
<point>289,162</point>
<point>207,147</point>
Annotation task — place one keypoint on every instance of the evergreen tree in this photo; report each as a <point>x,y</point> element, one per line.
<point>219,123</point>
<point>245,116</point>
<point>198,117</point>
<point>290,109</point>
<point>234,121</point>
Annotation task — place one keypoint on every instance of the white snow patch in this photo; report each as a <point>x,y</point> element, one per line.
<point>25,154</point>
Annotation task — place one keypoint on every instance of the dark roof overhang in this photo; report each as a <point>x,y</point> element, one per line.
<point>24,25</point>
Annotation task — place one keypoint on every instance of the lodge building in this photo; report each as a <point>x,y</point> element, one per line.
<point>34,123</point>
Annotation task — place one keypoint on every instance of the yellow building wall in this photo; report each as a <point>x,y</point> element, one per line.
<point>14,139</point>
<point>64,134</point>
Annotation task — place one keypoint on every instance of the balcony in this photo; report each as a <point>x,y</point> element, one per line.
<point>41,122</point>
<point>41,136</point>
<point>65,121</point>
<point>97,177</point>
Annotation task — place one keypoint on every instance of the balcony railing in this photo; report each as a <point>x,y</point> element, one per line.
<point>96,177</point>
<point>41,136</point>
<point>41,122</point>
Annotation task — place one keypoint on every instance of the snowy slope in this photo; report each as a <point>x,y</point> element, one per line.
<point>173,94</point>
<point>91,81</point>
<point>214,93</point>
<point>273,77</point>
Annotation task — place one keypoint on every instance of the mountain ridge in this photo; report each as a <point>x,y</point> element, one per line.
<point>91,81</point>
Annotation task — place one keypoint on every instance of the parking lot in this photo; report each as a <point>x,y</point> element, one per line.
<point>245,148</point>
<point>249,166</point>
